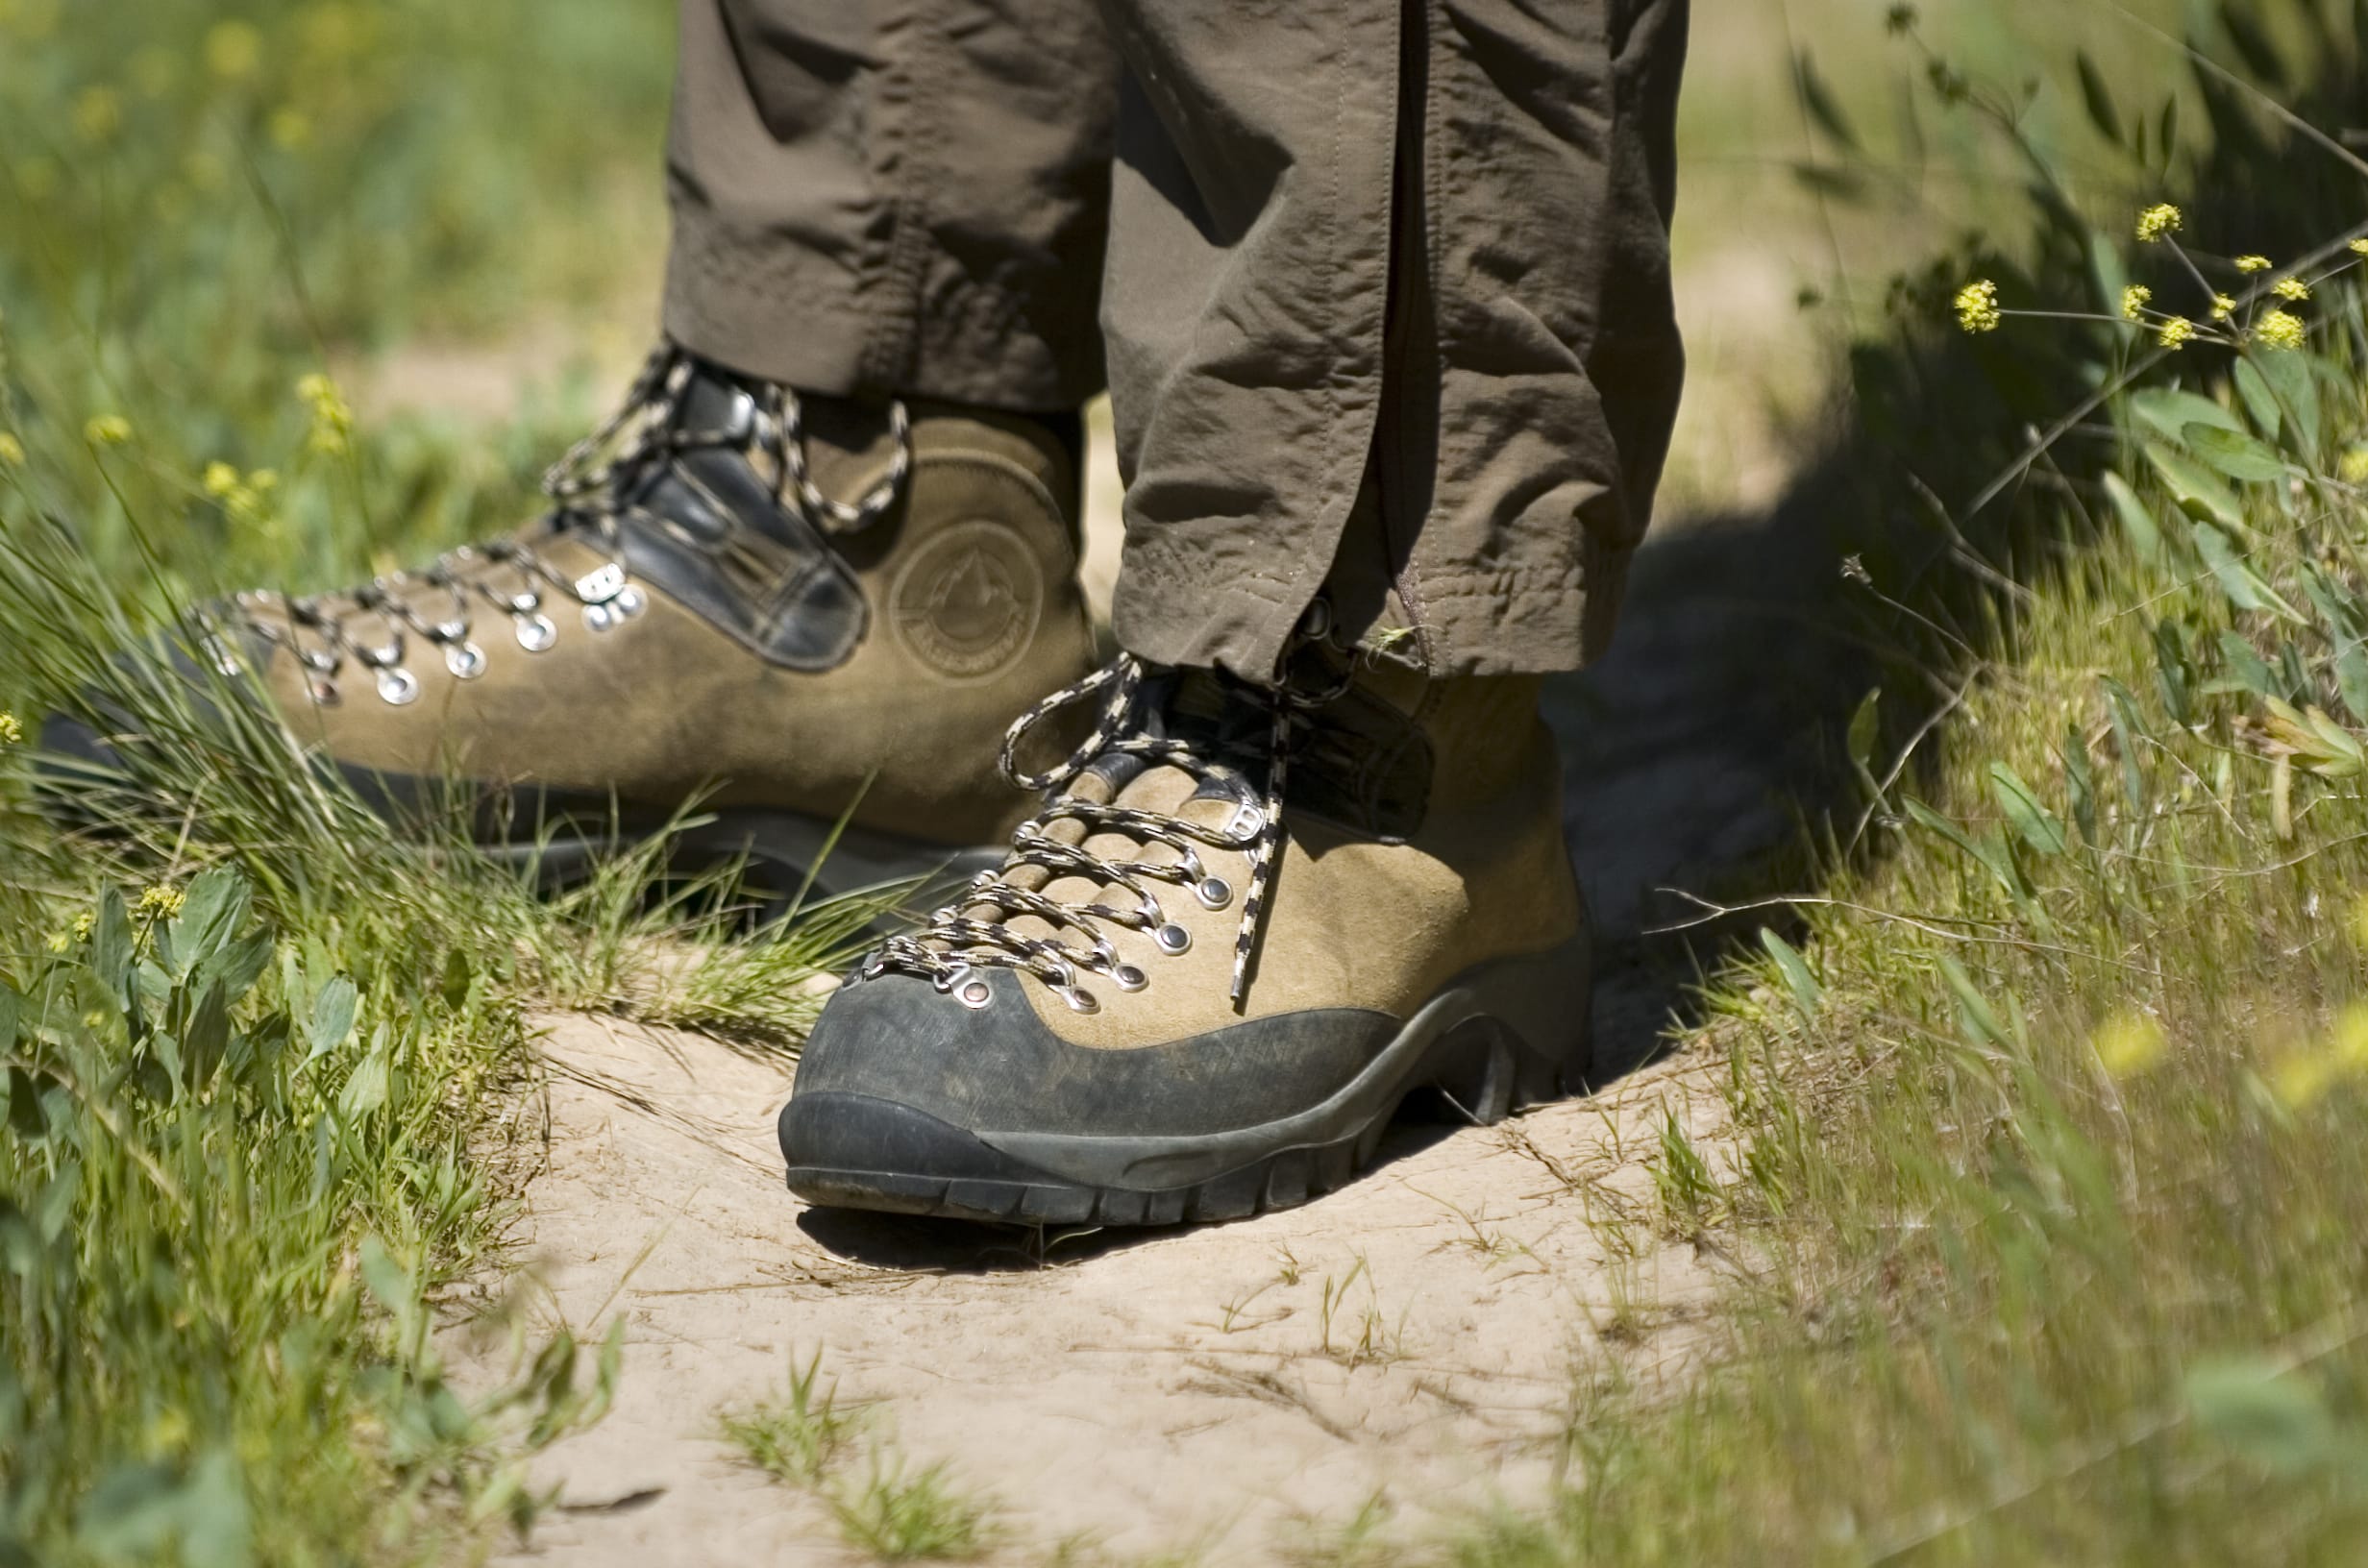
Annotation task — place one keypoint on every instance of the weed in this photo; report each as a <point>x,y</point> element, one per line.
<point>798,1436</point>
<point>904,1515</point>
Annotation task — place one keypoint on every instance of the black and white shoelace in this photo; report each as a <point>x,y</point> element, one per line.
<point>954,943</point>
<point>438,604</point>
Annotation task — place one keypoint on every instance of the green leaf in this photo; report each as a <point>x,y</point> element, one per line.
<point>2200,492</point>
<point>2137,523</point>
<point>333,1018</point>
<point>206,1039</point>
<point>2263,1413</point>
<point>1865,729</point>
<point>111,944</point>
<point>132,1512</point>
<point>213,913</point>
<point>2170,411</point>
<point>1802,985</point>
<point>215,1530</point>
<point>366,1088</point>
<point>2040,827</point>
<point>2246,666</point>
<point>2080,783</point>
<point>2352,680</point>
<point>2259,398</point>
<point>2240,456</point>
<point>1981,1020</point>
<point>2127,728</point>
<point>2238,580</point>
<point>2289,381</point>
<point>2173,670</point>
<point>2098,99</point>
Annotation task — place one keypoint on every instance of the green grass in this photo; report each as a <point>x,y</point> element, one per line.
<point>2046,1171</point>
<point>242,1152</point>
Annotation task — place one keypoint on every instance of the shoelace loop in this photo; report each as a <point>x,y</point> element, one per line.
<point>952,944</point>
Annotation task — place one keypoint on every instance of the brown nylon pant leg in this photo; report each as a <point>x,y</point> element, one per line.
<point>894,196</point>
<point>1387,304</point>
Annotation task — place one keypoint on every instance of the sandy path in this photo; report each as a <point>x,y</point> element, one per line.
<point>1181,1389</point>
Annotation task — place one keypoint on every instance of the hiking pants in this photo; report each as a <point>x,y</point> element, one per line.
<point>1380,289</point>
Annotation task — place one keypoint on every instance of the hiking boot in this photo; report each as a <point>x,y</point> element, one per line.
<point>1244,925</point>
<point>697,619</point>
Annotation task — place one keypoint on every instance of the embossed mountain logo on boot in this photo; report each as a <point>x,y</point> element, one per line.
<point>969,601</point>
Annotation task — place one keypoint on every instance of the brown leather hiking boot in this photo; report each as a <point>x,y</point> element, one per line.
<point>1245,924</point>
<point>699,618</point>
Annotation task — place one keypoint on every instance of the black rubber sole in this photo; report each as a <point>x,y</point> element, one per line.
<point>1508,1035</point>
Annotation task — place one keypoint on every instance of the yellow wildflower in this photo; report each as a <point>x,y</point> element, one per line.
<point>2134,301</point>
<point>2130,1044</point>
<point>12,451</point>
<point>2281,330</point>
<point>2159,222</point>
<point>2253,263</point>
<point>221,479</point>
<point>1977,306</point>
<point>2292,288</point>
<point>11,731</point>
<point>332,419</point>
<point>234,50</point>
<point>2177,333</point>
<point>2359,247</point>
<point>83,924</point>
<point>98,113</point>
<point>60,942</point>
<point>263,478</point>
<point>2353,467</point>
<point>2223,307</point>
<point>107,431</point>
<point>290,129</point>
<point>159,902</point>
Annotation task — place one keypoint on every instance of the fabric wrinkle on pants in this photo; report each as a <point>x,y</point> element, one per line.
<point>1385,300</point>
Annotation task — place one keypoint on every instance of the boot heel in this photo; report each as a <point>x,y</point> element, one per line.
<point>1543,1005</point>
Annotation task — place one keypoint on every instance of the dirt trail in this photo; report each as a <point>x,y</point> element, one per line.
<point>1231,1389</point>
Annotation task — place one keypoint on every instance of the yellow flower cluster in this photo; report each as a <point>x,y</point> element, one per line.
<point>2353,467</point>
<point>2128,1045</point>
<point>11,731</point>
<point>2159,222</point>
<point>1977,306</point>
<point>333,418</point>
<point>2292,288</point>
<point>2359,247</point>
<point>107,431</point>
<point>84,925</point>
<point>2134,300</point>
<point>2281,330</point>
<point>12,451</point>
<point>159,902</point>
<point>2177,333</point>
<point>241,497</point>
<point>2253,263</point>
<point>2223,307</point>
<point>234,50</point>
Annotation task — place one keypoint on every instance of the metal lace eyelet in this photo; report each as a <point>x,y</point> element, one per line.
<point>535,633</point>
<point>1247,821</point>
<point>1130,978</point>
<point>1078,998</point>
<point>1172,938</point>
<point>599,618</point>
<point>629,602</point>
<point>975,994</point>
<point>465,660</point>
<point>398,687</point>
<point>1213,893</point>
<point>600,585</point>
<point>324,693</point>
